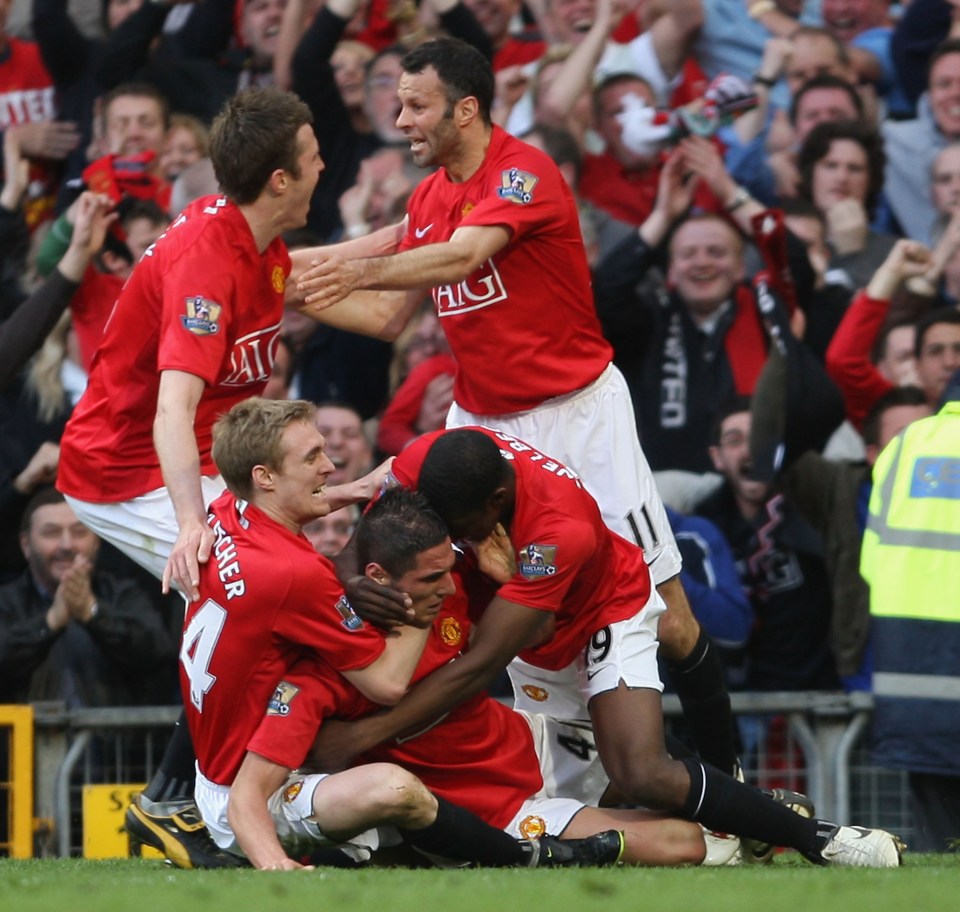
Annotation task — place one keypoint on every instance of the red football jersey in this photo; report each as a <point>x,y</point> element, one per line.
<point>522,327</point>
<point>569,562</point>
<point>480,755</point>
<point>202,300</point>
<point>266,599</point>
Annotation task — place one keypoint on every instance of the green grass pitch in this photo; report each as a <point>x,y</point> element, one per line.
<point>926,883</point>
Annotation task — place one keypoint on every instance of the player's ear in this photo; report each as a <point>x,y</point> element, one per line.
<point>262,478</point>
<point>278,181</point>
<point>498,498</point>
<point>374,571</point>
<point>467,110</point>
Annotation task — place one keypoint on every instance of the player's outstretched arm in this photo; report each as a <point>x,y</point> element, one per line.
<point>382,242</point>
<point>363,489</point>
<point>385,680</point>
<point>249,817</point>
<point>333,278</point>
<point>504,630</point>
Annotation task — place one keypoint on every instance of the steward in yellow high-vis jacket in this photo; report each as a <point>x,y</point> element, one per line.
<point>911,561</point>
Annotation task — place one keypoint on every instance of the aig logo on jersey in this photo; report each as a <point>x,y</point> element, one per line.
<point>279,704</point>
<point>201,316</point>
<point>538,560</point>
<point>351,620</point>
<point>517,186</point>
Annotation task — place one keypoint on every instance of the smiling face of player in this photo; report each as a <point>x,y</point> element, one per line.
<point>427,119</point>
<point>296,491</point>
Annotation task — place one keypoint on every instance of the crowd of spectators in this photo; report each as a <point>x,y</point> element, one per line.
<point>852,149</point>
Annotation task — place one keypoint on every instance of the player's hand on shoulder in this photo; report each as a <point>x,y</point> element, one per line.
<point>192,548</point>
<point>379,604</point>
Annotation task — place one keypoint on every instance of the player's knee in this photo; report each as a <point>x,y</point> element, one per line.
<point>401,798</point>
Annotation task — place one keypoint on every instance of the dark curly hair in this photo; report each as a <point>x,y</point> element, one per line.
<point>817,147</point>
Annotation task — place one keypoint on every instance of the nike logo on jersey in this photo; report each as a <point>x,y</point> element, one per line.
<point>420,232</point>
<point>592,674</point>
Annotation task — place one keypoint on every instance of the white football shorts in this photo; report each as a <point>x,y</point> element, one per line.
<point>145,527</point>
<point>291,807</point>
<point>625,651</point>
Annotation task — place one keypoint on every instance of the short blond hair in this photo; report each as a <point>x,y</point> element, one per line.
<point>251,434</point>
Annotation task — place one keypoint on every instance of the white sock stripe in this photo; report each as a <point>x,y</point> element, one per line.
<point>703,790</point>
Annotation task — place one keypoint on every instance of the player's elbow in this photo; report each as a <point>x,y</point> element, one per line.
<point>386,692</point>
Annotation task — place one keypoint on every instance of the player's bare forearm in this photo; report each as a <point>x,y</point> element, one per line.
<point>364,488</point>
<point>503,631</point>
<point>334,277</point>
<point>382,242</point>
<point>338,743</point>
<point>379,314</point>
<point>248,813</point>
<point>385,680</point>
<point>179,457</point>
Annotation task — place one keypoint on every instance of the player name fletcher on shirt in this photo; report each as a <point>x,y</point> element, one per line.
<point>228,566</point>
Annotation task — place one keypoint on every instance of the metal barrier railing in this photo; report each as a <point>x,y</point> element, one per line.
<point>813,742</point>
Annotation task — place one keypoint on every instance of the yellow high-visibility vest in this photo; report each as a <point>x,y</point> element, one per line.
<point>911,548</point>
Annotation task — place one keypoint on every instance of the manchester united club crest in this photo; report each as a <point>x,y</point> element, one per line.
<point>537,694</point>
<point>292,790</point>
<point>450,631</point>
<point>349,618</point>
<point>201,316</point>
<point>279,704</point>
<point>538,560</point>
<point>517,186</point>
<point>278,279</point>
<point>532,827</point>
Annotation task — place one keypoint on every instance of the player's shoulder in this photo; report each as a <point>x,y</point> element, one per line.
<point>207,224</point>
<point>508,151</point>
